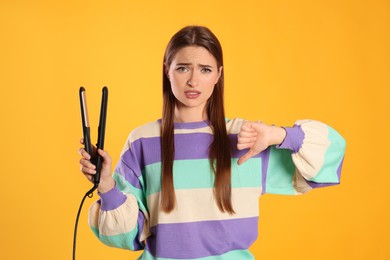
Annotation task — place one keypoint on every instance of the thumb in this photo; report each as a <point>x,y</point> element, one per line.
<point>246,156</point>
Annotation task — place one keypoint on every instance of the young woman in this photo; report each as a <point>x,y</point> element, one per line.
<point>187,186</point>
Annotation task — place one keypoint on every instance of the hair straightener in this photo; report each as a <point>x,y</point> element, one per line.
<point>96,159</point>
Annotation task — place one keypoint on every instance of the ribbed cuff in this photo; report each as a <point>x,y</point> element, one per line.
<point>112,199</point>
<point>294,139</point>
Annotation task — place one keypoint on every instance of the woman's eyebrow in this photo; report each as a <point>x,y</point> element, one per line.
<point>183,64</point>
<point>205,66</point>
<point>190,64</point>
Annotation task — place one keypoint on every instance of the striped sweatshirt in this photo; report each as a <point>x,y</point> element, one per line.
<point>129,215</point>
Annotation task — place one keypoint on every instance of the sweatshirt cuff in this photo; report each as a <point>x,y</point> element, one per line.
<point>112,199</point>
<point>294,139</point>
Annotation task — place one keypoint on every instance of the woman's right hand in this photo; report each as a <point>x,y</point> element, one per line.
<point>89,169</point>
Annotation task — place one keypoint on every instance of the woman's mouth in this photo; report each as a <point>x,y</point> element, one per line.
<point>192,94</point>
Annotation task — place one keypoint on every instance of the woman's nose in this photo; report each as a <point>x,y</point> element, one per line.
<point>193,81</point>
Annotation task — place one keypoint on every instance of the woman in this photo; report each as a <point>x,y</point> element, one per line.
<point>187,186</point>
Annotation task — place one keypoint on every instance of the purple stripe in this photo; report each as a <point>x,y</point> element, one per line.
<point>123,169</point>
<point>192,125</point>
<point>189,125</point>
<point>294,139</point>
<point>192,146</point>
<point>112,199</point>
<point>320,185</point>
<point>187,146</point>
<point>201,239</point>
<point>339,169</point>
<point>141,221</point>
<point>148,150</point>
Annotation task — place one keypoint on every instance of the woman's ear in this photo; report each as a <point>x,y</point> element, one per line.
<point>219,74</point>
<point>166,70</point>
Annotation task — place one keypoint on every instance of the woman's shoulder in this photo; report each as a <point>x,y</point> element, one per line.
<point>147,130</point>
<point>150,130</point>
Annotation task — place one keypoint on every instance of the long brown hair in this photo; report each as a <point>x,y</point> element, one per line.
<point>219,154</point>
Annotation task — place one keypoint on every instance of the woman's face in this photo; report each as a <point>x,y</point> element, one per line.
<point>193,74</point>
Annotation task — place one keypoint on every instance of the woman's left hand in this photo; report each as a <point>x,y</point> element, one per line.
<point>257,136</point>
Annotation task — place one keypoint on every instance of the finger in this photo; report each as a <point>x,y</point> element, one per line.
<point>87,171</point>
<point>247,134</point>
<point>84,154</point>
<point>89,176</point>
<point>245,157</point>
<point>242,146</point>
<point>82,142</point>
<point>247,127</point>
<point>243,140</point>
<point>86,164</point>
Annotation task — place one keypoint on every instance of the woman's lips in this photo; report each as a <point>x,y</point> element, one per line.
<point>192,94</point>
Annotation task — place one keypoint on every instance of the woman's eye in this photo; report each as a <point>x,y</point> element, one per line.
<point>206,70</point>
<point>182,69</point>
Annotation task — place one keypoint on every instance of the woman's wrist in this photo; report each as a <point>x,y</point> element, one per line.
<point>106,184</point>
<point>278,134</point>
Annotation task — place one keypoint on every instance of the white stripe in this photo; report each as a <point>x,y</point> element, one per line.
<point>234,125</point>
<point>151,129</point>
<point>117,221</point>
<point>199,205</point>
<point>310,158</point>
<point>299,184</point>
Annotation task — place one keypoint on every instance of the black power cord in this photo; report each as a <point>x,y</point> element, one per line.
<point>89,194</point>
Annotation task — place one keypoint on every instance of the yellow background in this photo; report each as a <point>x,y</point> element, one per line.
<point>284,60</point>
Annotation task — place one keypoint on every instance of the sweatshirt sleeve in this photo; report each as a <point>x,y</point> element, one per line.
<point>120,217</point>
<point>311,156</point>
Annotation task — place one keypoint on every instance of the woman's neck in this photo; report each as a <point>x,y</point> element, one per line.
<point>188,114</point>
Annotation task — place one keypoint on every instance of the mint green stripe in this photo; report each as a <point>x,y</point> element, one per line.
<point>248,174</point>
<point>125,240</point>
<point>152,173</point>
<point>332,159</point>
<point>232,255</point>
<point>195,174</point>
<point>126,187</point>
<point>95,231</point>
<point>280,172</point>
